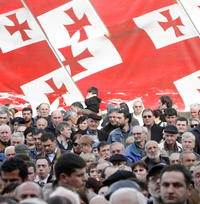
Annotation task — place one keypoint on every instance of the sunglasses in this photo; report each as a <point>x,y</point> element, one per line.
<point>192,126</point>
<point>75,144</point>
<point>147,116</point>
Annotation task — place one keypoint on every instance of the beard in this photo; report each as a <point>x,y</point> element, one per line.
<point>156,156</point>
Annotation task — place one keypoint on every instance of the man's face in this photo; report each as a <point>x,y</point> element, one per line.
<point>4,118</point>
<point>181,126</point>
<point>5,133</point>
<point>28,191</point>
<point>188,159</point>
<point>196,178</point>
<point>42,168</point>
<point>152,150</point>
<point>44,110</point>
<point>66,132</point>
<point>11,177</point>
<point>171,119</point>
<point>148,118</point>
<point>116,149</point>
<point>137,108</point>
<point>173,188</point>
<point>175,158</point>
<point>37,140</point>
<point>93,124</point>
<point>188,144</point>
<point>170,138</point>
<point>56,117</point>
<point>41,123</point>
<point>27,115</point>
<point>77,178</point>
<point>194,112</point>
<point>139,135</point>
<point>121,120</point>
<point>140,172</point>
<point>31,174</point>
<point>10,153</point>
<point>49,146</point>
<point>112,117</point>
<point>154,185</point>
<point>104,152</point>
<point>16,140</point>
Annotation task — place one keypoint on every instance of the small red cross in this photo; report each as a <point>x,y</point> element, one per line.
<point>18,27</point>
<point>77,25</point>
<point>171,23</point>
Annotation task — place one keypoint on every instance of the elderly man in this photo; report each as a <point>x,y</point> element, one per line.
<point>56,118</point>
<point>194,110</point>
<point>9,152</point>
<point>153,154</point>
<point>154,130</point>
<point>137,111</point>
<point>170,145</point>
<point>117,148</point>
<point>187,159</point>
<point>5,135</point>
<point>135,151</point>
<point>28,189</point>
<point>124,130</point>
<point>188,143</point>
<point>175,158</point>
<point>128,196</point>
<point>17,138</point>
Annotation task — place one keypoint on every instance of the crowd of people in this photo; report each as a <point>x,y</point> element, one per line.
<point>79,155</point>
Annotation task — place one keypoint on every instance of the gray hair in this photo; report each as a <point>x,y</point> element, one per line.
<point>187,135</point>
<point>195,105</point>
<point>185,152</point>
<point>18,135</point>
<point>144,129</point>
<point>72,196</point>
<point>131,194</point>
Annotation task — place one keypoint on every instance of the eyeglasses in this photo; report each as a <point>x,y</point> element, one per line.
<point>75,144</point>
<point>194,125</point>
<point>147,116</point>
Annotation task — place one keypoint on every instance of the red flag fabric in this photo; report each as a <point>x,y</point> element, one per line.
<point>52,51</point>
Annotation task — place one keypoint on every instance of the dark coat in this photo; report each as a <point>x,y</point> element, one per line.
<point>196,133</point>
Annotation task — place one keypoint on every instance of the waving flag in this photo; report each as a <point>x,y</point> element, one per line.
<point>52,51</point>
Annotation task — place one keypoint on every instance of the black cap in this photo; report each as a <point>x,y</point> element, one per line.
<point>117,158</point>
<point>94,116</point>
<point>118,175</point>
<point>121,184</point>
<point>155,169</point>
<point>171,129</point>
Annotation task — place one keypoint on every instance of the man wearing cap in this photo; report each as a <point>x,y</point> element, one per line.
<point>93,123</point>
<point>124,130</point>
<point>153,182</point>
<point>170,145</point>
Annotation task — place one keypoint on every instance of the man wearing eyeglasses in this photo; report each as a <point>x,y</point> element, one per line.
<point>154,130</point>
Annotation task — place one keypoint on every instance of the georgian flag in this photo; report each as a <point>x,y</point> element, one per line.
<point>167,25</point>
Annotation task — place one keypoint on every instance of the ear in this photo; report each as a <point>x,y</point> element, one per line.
<point>63,178</point>
<point>189,190</point>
